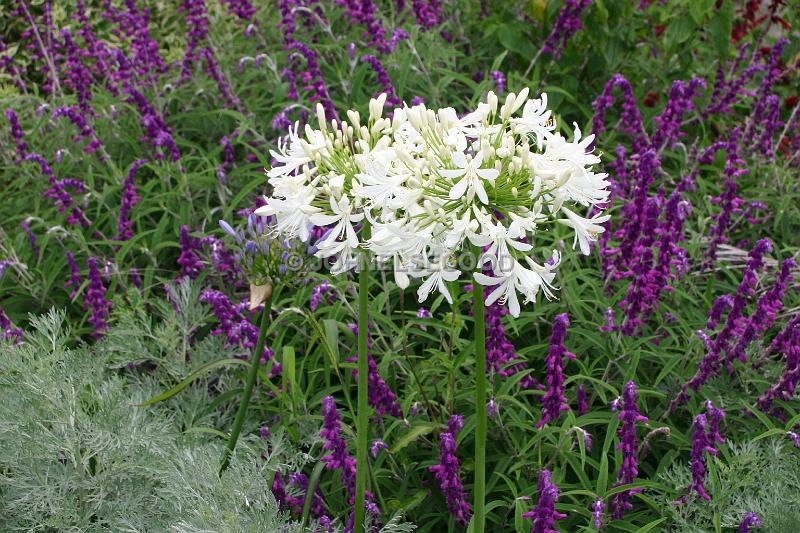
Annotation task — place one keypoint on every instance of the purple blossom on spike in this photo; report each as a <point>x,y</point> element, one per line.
<point>7,329</point>
<point>706,435</point>
<point>188,260</point>
<point>197,22</point>
<point>767,309</point>
<point>62,199</point>
<point>492,408</point>
<point>566,25</point>
<point>785,387</point>
<point>628,444</point>
<point>156,130</point>
<point>499,81</point>
<point>130,198</point>
<point>241,8</point>
<point>749,520</point>
<point>554,401</point>
<point>74,282</point>
<point>384,82</point>
<point>25,225</point>
<point>323,290</point>
<point>598,509</point>
<point>631,120</point>
<point>135,278</point>
<point>380,396</point>
<point>544,515</point>
<point>668,122</point>
<point>428,13</point>
<point>235,325</point>
<point>583,404</point>
<point>447,473</point>
<point>500,352</point>
<point>18,134</point>
<point>94,300</point>
<point>794,437</point>
<point>712,361</point>
<point>339,458</point>
<point>85,132</point>
<point>376,447</point>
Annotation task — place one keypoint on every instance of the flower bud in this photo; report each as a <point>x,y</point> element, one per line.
<point>491,99</point>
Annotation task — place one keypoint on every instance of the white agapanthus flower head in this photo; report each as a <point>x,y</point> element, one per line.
<point>422,189</point>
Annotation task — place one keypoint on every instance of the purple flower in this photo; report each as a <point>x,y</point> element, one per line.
<point>197,22</point>
<point>130,198</point>
<point>235,325</point>
<point>323,290</point>
<point>380,396</point>
<point>544,515</point>
<point>500,352</point>
<point>631,120</point>
<point>190,263</point>
<point>705,436</point>
<point>241,8</point>
<point>377,446</point>
<point>85,132</point>
<point>447,473</point>
<point>156,130</point>
<point>583,404</point>
<point>712,361</point>
<point>499,81</point>
<point>629,417</point>
<point>767,309</point>
<point>25,225</point>
<point>492,408</point>
<point>428,13</point>
<point>7,329</point>
<point>339,458</point>
<point>749,520</point>
<point>384,82</point>
<point>598,508</point>
<point>94,300</point>
<point>786,342</point>
<point>566,25</point>
<point>74,282</point>
<point>554,401</point>
<point>794,437</point>
<point>668,122</point>
<point>17,133</point>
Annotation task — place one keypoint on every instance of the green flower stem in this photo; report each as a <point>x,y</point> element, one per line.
<point>252,374</point>
<point>479,490</point>
<point>362,411</point>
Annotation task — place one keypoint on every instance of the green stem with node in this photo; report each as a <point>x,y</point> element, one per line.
<point>363,383</point>
<point>252,374</point>
<point>479,519</point>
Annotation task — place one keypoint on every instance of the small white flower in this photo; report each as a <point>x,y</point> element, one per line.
<point>473,174</point>
<point>290,155</point>
<point>535,119</point>
<point>437,274</point>
<point>293,214</point>
<point>586,229</point>
<point>344,218</point>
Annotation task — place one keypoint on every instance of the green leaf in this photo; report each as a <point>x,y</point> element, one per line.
<point>720,27</point>
<point>651,525</point>
<point>413,434</point>
<point>699,8</point>
<point>191,377</point>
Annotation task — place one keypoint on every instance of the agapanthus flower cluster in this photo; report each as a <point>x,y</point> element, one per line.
<point>422,188</point>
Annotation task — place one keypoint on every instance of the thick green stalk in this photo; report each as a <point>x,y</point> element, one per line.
<point>363,406</point>
<point>252,374</point>
<point>479,490</point>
